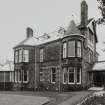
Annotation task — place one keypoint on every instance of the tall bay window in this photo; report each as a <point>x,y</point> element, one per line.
<point>71,49</point>
<point>53,75</point>
<point>64,50</point>
<point>25,55</point>
<point>78,49</point>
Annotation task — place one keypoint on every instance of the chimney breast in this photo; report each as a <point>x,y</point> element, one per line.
<point>29,32</point>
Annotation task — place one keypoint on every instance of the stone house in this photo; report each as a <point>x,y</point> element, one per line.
<point>58,61</point>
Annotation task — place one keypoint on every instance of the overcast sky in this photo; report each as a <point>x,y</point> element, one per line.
<point>42,16</point>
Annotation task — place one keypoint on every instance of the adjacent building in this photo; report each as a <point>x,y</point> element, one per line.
<point>58,61</point>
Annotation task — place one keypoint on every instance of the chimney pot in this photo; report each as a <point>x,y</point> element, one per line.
<point>29,32</point>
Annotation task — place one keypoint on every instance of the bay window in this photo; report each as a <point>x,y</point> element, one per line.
<point>74,75</point>
<point>64,50</point>
<point>25,76</point>
<point>71,49</point>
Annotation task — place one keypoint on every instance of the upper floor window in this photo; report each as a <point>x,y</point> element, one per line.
<point>78,49</point>
<point>41,55</point>
<point>71,48</point>
<point>16,56</point>
<point>20,55</point>
<point>25,55</point>
<point>64,50</point>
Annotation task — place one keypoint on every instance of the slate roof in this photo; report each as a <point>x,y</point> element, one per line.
<point>72,29</point>
<point>99,66</point>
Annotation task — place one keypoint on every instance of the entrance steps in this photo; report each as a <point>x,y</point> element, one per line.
<point>96,88</point>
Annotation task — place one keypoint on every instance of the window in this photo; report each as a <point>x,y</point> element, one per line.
<point>78,75</point>
<point>25,76</point>
<point>16,56</point>
<point>64,50</point>
<point>90,57</point>
<point>78,49</point>
<point>25,55</point>
<point>20,55</point>
<point>7,76</point>
<point>71,48</point>
<point>64,76</point>
<point>41,74</point>
<point>41,55</point>
<point>71,73</point>
<point>53,75</point>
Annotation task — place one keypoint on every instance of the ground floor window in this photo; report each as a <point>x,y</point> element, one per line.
<point>74,75</point>
<point>71,76</point>
<point>53,75</point>
<point>21,76</point>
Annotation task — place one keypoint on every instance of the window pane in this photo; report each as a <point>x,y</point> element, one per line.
<point>41,55</point>
<point>71,48</point>
<point>64,50</point>
<point>53,75</point>
<point>16,57</point>
<point>71,75</point>
<point>78,49</point>
<point>78,75</point>
<point>1,76</point>
<point>26,56</point>
<point>25,78</point>
<point>20,55</point>
<point>64,75</point>
<point>7,76</point>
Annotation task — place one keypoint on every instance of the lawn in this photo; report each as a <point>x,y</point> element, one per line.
<point>30,97</point>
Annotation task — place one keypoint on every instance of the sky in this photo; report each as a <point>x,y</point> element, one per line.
<point>43,16</point>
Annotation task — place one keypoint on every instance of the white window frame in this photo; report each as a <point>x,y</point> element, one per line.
<point>71,48</point>
<point>64,72</point>
<point>27,77</point>
<point>52,76</point>
<point>79,49</point>
<point>41,54</point>
<point>64,50</point>
<point>25,55</point>
<point>68,76</point>
<point>79,76</point>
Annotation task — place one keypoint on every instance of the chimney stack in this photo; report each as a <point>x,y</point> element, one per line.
<point>84,13</point>
<point>29,32</point>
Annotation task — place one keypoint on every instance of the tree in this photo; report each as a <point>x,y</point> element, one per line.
<point>102,8</point>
